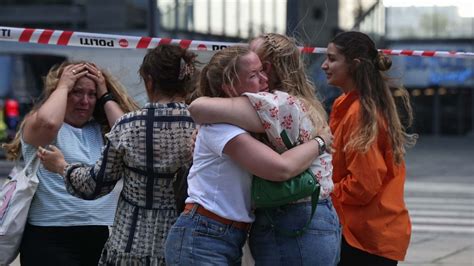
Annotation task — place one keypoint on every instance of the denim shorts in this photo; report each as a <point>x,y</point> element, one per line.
<point>319,245</point>
<point>198,240</point>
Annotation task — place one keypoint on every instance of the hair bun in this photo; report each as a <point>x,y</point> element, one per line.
<point>382,61</point>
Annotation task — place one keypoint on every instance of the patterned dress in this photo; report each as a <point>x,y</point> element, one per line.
<point>144,148</point>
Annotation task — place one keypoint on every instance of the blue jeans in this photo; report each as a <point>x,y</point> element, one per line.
<point>319,245</point>
<point>198,240</point>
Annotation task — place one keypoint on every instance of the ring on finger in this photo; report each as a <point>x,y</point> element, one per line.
<point>73,71</point>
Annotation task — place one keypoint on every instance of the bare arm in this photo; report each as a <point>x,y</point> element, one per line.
<point>111,108</point>
<point>237,111</point>
<point>42,126</point>
<point>113,112</point>
<point>261,160</point>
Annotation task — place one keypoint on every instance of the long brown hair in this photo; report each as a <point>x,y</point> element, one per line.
<point>290,74</point>
<point>367,67</point>
<point>126,103</point>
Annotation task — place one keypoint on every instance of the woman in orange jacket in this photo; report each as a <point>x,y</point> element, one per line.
<point>369,142</point>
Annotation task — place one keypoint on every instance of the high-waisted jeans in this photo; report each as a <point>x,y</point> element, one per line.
<point>319,245</point>
<point>198,240</point>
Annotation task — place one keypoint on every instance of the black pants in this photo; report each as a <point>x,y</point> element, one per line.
<point>55,245</point>
<point>353,256</point>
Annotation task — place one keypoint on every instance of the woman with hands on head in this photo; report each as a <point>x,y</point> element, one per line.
<point>218,213</point>
<point>292,106</point>
<point>80,103</point>
<point>144,148</point>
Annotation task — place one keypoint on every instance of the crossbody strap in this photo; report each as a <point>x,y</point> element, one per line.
<point>314,200</point>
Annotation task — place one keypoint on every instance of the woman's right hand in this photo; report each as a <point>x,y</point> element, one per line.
<point>52,159</point>
<point>326,135</point>
<point>71,74</point>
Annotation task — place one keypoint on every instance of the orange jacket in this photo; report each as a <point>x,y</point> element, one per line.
<point>368,191</point>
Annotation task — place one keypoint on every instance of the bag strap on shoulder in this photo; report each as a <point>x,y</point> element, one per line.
<point>32,164</point>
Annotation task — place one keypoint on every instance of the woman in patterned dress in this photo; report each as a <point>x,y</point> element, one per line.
<point>291,106</point>
<point>144,148</point>
<point>74,115</point>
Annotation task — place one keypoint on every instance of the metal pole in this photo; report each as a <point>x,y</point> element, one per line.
<point>224,18</point>
<point>237,15</point>
<point>209,17</point>
<point>176,15</point>
<point>472,112</point>
<point>152,6</point>
<point>436,112</point>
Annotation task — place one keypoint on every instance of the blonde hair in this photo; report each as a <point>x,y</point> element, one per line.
<point>285,57</point>
<point>222,70</point>
<point>126,103</point>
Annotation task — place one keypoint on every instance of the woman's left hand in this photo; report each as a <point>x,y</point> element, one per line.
<point>52,159</point>
<point>96,75</point>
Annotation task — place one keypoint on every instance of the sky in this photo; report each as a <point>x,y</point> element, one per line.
<point>465,7</point>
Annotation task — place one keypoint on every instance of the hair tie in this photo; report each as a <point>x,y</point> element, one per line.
<point>185,69</point>
<point>382,62</point>
<point>271,42</point>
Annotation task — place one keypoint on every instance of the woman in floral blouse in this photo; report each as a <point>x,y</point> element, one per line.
<point>293,107</point>
<point>144,148</point>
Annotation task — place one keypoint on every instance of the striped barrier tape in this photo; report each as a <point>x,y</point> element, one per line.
<point>85,39</point>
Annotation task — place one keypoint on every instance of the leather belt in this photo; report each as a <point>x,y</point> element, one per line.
<point>199,209</point>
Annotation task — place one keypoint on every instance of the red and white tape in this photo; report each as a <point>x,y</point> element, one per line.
<point>85,39</point>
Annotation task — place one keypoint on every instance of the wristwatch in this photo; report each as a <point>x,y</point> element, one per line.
<point>321,143</point>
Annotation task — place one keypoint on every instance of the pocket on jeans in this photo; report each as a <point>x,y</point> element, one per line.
<point>209,227</point>
<point>173,245</point>
<point>325,220</point>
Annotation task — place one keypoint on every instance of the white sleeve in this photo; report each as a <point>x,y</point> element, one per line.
<point>216,136</point>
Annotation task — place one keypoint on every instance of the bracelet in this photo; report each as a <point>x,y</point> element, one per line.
<point>321,144</point>
<point>105,98</point>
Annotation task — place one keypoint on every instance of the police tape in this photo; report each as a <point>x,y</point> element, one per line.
<point>97,40</point>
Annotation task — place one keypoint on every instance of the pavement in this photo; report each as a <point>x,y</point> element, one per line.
<point>439,194</point>
<point>440,197</point>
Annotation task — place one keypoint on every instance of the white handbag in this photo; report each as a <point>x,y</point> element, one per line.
<point>15,199</point>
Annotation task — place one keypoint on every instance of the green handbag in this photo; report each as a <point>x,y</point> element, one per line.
<point>270,194</point>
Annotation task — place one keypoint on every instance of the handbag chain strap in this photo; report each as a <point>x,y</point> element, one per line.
<point>314,200</point>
